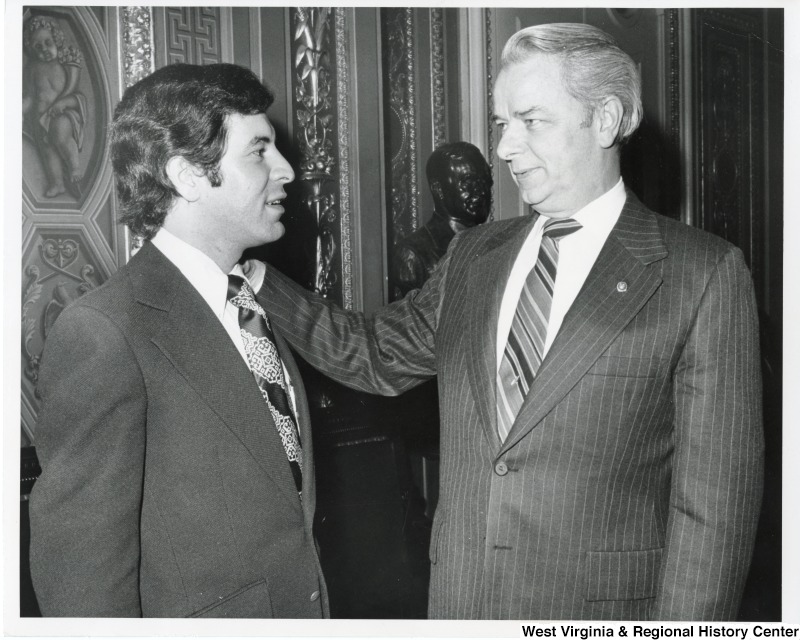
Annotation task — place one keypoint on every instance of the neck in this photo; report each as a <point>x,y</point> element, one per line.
<point>215,245</point>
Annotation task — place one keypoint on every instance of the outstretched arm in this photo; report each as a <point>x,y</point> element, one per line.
<point>718,458</point>
<point>388,353</point>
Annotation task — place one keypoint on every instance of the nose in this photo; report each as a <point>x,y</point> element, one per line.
<point>508,147</point>
<point>282,171</point>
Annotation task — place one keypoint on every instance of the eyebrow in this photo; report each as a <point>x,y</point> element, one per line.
<point>528,112</point>
<point>257,140</point>
<point>521,114</point>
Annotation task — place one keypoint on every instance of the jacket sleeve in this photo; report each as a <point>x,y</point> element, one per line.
<point>90,439</point>
<point>717,471</point>
<point>388,353</point>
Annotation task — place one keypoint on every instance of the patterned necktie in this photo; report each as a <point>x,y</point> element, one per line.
<point>525,348</point>
<point>267,368</point>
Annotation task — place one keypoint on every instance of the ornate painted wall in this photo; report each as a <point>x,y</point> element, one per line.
<point>70,243</point>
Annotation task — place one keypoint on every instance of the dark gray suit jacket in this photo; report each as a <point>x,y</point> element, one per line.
<point>165,490</point>
<point>630,484</point>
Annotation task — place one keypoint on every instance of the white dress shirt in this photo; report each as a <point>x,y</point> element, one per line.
<point>577,253</point>
<point>212,284</point>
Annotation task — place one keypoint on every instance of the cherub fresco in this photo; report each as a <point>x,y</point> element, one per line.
<point>55,109</point>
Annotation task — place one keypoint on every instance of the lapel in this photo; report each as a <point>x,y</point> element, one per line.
<point>487,278</point>
<point>599,313</point>
<point>200,349</point>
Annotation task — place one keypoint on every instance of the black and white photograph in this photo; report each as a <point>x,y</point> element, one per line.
<point>364,319</point>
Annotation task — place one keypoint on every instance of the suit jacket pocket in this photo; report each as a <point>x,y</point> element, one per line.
<point>622,575</point>
<point>625,367</point>
<point>251,601</point>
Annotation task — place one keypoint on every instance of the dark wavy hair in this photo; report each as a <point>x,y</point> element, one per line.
<point>179,110</point>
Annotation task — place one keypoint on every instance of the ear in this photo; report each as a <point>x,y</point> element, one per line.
<point>609,120</point>
<point>185,177</point>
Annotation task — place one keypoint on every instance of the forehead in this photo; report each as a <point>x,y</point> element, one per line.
<point>535,80</point>
<point>244,130</point>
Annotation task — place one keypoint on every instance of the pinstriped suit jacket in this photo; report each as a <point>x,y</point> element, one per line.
<point>629,486</point>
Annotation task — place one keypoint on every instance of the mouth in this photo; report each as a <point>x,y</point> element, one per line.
<point>276,202</point>
<point>526,174</point>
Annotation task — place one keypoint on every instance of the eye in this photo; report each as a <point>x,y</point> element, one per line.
<point>532,122</point>
<point>501,126</point>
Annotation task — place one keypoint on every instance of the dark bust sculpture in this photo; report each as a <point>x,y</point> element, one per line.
<point>460,180</point>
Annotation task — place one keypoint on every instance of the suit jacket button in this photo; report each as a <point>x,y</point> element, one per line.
<point>315,596</point>
<point>501,468</point>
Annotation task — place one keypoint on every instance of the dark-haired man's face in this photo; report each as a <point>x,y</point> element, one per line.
<point>246,208</point>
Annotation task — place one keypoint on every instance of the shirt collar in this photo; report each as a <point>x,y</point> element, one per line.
<point>598,212</point>
<point>201,271</point>
<point>602,212</point>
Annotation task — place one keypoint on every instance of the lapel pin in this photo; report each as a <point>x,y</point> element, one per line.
<point>622,286</point>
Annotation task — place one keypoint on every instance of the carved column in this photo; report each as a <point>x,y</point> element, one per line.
<point>438,77</point>
<point>136,44</point>
<point>400,108</point>
<point>316,136</point>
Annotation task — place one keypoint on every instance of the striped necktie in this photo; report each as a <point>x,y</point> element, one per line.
<point>525,348</point>
<point>267,368</point>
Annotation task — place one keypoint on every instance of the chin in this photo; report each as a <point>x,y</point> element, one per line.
<point>275,232</point>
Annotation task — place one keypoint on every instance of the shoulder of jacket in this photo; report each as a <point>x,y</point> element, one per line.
<point>113,298</point>
<point>475,236</point>
<point>684,240</point>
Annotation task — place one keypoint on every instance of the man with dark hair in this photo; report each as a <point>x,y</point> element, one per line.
<point>173,436</point>
<point>598,371</point>
<point>460,181</point>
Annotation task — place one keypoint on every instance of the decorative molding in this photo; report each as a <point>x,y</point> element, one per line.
<point>412,116</point>
<point>399,76</point>
<point>136,54</point>
<point>438,78</point>
<point>473,77</point>
<point>136,45</point>
<point>193,35</point>
<point>314,136</point>
<point>342,41</point>
<point>690,177</point>
<point>674,74</point>
<point>256,34</point>
<point>489,99</point>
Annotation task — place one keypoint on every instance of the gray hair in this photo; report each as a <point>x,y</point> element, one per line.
<point>593,67</point>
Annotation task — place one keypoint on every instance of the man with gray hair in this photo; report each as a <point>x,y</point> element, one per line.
<point>598,371</point>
